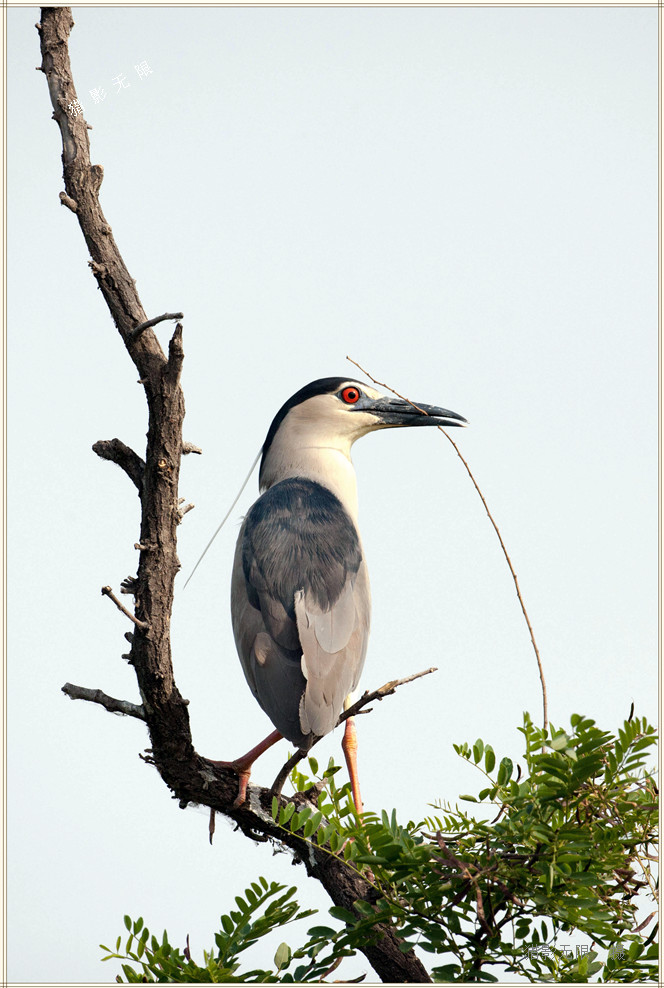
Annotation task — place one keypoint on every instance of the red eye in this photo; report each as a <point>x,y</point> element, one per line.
<point>350,395</point>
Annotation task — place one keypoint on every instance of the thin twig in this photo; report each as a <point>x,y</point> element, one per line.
<point>183,511</point>
<point>545,707</point>
<point>378,694</point>
<point>109,702</point>
<point>516,583</point>
<point>149,323</point>
<point>107,592</point>
<point>366,698</point>
<point>286,769</point>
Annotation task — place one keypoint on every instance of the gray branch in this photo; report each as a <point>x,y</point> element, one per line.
<point>383,691</point>
<point>108,702</point>
<point>149,323</point>
<point>368,697</point>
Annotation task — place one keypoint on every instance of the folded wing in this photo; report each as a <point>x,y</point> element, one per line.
<point>301,607</point>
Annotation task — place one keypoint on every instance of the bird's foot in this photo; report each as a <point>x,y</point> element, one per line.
<point>242,765</point>
<point>244,774</point>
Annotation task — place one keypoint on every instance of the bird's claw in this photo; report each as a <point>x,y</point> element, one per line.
<point>243,775</point>
<point>243,772</point>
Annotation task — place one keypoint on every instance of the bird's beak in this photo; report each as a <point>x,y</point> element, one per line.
<point>393,412</point>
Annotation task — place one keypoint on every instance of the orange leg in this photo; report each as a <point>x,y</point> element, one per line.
<point>243,764</point>
<point>349,745</point>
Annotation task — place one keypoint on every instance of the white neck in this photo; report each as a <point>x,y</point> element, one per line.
<point>329,465</point>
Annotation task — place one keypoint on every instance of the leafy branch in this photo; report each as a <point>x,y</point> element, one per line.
<point>569,851</point>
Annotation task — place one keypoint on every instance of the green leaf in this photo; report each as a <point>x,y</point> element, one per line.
<point>489,758</point>
<point>325,932</point>
<point>478,750</point>
<point>127,922</point>
<point>338,912</point>
<point>559,742</point>
<point>283,956</point>
<point>312,823</point>
<point>505,771</point>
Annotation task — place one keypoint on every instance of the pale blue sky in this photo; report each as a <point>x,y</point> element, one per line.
<point>463,200</point>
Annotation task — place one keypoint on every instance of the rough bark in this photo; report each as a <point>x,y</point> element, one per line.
<point>192,778</point>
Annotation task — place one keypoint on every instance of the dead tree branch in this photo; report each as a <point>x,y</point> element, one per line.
<point>108,702</point>
<point>383,691</point>
<point>117,452</point>
<point>192,778</point>
<point>368,697</point>
<point>107,592</point>
<point>149,323</point>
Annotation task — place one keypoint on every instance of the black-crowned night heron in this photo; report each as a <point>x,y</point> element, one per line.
<point>300,598</point>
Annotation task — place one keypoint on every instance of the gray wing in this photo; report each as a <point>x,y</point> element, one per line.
<point>300,603</point>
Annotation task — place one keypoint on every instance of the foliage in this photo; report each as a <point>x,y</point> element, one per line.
<point>262,910</point>
<point>566,854</point>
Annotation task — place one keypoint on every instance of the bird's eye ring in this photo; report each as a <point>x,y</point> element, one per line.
<point>350,395</point>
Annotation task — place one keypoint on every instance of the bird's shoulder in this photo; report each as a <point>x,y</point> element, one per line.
<point>299,536</point>
<point>303,510</point>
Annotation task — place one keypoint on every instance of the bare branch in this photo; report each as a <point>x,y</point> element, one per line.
<point>383,691</point>
<point>82,183</point>
<point>109,702</point>
<point>117,452</point>
<point>107,592</point>
<point>365,699</point>
<point>381,384</point>
<point>190,448</point>
<point>287,768</point>
<point>149,323</point>
<point>184,510</point>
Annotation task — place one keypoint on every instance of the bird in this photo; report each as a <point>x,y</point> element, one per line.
<point>300,595</point>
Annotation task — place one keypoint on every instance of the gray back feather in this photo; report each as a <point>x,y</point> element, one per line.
<point>301,606</point>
